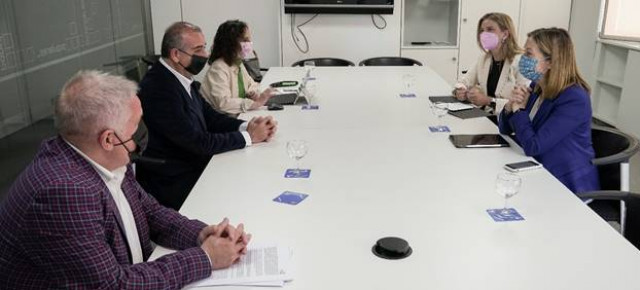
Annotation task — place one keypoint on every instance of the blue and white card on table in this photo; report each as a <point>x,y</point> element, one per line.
<point>408,95</point>
<point>500,215</point>
<point>439,129</point>
<point>290,197</point>
<point>311,107</point>
<point>297,173</point>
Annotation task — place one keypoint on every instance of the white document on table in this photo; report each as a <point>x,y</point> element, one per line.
<point>454,107</point>
<point>263,265</point>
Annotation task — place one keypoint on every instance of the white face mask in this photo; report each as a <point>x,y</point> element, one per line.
<point>247,49</point>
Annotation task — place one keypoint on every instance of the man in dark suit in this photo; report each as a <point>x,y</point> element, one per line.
<point>77,219</point>
<point>183,129</point>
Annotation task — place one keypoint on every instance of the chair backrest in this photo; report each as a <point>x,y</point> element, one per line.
<point>390,61</point>
<point>612,147</point>
<point>325,61</point>
<point>253,67</point>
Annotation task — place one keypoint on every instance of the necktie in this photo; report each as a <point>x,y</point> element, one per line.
<point>241,92</point>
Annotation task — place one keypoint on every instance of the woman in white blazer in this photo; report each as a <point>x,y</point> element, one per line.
<point>227,86</point>
<point>490,82</point>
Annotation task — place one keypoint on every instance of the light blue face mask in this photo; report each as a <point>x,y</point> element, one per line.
<point>527,66</point>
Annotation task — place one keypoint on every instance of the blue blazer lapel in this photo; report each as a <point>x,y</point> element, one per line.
<point>543,112</point>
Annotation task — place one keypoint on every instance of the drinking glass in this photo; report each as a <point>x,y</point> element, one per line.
<point>296,150</point>
<point>507,185</point>
<point>309,66</point>
<point>439,110</point>
<point>310,90</point>
<point>408,82</point>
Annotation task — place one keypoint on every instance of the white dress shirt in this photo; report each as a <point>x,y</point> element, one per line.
<point>113,180</point>
<point>186,83</point>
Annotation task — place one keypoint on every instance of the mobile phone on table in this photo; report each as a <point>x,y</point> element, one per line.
<point>522,166</point>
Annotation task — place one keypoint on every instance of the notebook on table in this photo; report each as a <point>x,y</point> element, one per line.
<point>443,99</point>
<point>471,113</point>
<point>478,141</point>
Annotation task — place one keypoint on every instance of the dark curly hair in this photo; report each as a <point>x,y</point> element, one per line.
<point>225,43</point>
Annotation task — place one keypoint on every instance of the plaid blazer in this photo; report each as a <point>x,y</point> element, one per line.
<point>61,229</point>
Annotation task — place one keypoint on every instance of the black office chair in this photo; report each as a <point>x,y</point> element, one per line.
<point>325,61</point>
<point>253,67</point>
<point>613,150</point>
<point>632,216</point>
<point>390,61</point>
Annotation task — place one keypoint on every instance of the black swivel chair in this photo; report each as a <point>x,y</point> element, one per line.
<point>253,67</point>
<point>613,150</point>
<point>325,61</point>
<point>390,61</point>
<point>631,201</point>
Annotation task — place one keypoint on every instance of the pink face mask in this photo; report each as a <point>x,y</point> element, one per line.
<point>489,40</point>
<point>247,49</point>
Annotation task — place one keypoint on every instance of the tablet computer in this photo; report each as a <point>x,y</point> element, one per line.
<point>478,141</point>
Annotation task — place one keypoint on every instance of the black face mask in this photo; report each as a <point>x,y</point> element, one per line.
<point>197,63</point>
<point>135,157</point>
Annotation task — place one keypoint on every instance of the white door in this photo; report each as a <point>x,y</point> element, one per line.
<point>544,13</point>
<point>443,61</point>
<point>472,10</point>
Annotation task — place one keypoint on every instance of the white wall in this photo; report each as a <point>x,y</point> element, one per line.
<point>261,16</point>
<point>163,14</point>
<point>352,37</point>
<point>585,15</point>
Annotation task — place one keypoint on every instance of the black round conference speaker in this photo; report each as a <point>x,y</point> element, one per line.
<point>392,248</point>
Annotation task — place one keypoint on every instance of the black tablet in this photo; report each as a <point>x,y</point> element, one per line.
<point>478,141</point>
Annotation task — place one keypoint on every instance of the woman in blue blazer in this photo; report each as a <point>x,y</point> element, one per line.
<point>551,119</point>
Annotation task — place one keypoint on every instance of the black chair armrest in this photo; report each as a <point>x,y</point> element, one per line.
<point>609,195</point>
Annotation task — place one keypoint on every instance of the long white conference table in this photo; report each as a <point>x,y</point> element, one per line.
<point>377,171</point>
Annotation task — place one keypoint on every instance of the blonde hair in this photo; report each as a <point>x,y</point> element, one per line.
<point>510,47</point>
<point>556,46</point>
<point>93,101</point>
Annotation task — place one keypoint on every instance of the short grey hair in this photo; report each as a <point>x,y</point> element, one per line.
<point>173,36</point>
<point>93,101</point>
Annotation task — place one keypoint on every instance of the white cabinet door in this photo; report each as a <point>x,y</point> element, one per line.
<point>472,10</point>
<point>442,61</point>
<point>544,13</point>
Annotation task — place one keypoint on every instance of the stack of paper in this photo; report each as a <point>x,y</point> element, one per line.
<point>454,107</point>
<point>263,265</point>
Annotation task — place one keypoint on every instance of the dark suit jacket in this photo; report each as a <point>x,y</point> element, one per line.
<point>559,137</point>
<point>184,131</point>
<point>61,229</point>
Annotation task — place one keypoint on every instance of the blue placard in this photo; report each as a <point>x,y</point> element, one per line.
<point>297,173</point>
<point>500,215</point>
<point>290,197</point>
<point>408,95</point>
<point>310,107</point>
<point>439,129</point>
